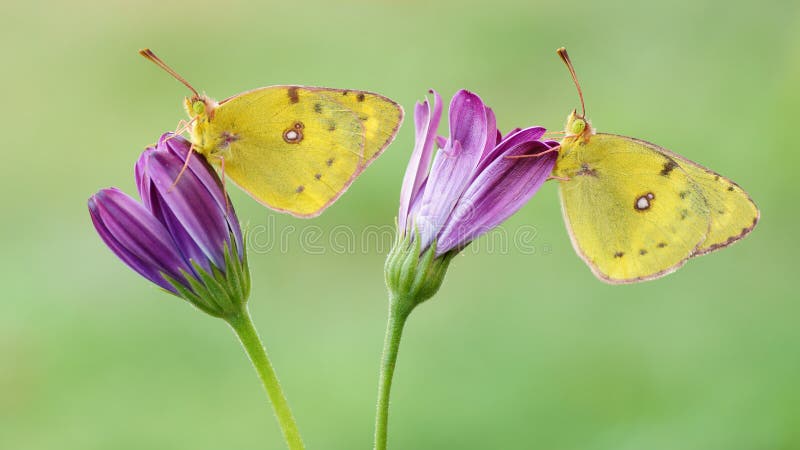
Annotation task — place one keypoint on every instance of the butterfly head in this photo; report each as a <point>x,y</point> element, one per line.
<point>578,126</point>
<point>200,107</point>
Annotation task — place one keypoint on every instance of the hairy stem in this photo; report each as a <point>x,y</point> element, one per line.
<point>242,324</point>
<point>391,346</point>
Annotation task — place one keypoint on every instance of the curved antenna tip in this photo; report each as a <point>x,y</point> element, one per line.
<point>148,54</point>
<point>562,52</point>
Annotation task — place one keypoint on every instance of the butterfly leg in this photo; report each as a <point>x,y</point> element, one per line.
<point>183,125</point>
<point>185,165</point>
<point>222,177</point>
<point>535,155</point>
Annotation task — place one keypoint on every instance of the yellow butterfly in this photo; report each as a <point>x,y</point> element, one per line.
<point>295,149</point>
<point>636,211</point>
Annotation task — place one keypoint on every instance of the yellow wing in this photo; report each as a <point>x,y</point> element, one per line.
<point>380,116</point>
<point>294,149</point>
<point>633,213</point>
<point>733,212</point>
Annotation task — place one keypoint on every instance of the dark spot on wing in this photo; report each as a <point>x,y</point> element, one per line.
<point>586,170</point>
<point>716,177</point>
<point>661,244</point>
<point>317,108</point>
<point>683,194</point>
<point>345,92</point>
<point>619,254</point>
<point>331,125</point>
<point>318,176</point>
<point>293,135</point>
<point>300,189</point>
<point>669,166</point>
<point>292,92</point>
<point>329,162</point>
<point>643,203</point>
<point>730,188</point>
<point>642,252</point>
<point>360,97</point>
<point>684,214</point>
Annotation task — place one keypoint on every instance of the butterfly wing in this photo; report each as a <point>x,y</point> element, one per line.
<point>292,148</point>
<point>380,116</point>
<point>733,213</point>
<point>633,213</point>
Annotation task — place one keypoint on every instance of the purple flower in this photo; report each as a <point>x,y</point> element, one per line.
<point>475,181</point>
<point>183,236</point>
<point>473,185</point>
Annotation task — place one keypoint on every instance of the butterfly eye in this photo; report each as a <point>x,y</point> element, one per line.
<point>578,126</point>
<point>198,107</point>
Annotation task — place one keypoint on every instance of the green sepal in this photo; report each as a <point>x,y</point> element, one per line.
<point>410,263</point>
<point>239,270</point>
<point>412,275</point>
<point>216,292</point>
<point>188,294</point>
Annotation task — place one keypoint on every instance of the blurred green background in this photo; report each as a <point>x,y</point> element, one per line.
<point>517,351</point>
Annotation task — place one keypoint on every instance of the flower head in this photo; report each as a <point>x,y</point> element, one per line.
<point>183,236</point>
<point>474,182</point>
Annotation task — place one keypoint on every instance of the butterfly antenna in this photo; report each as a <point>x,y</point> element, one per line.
<point>147,53</point>
<point>562,52</point>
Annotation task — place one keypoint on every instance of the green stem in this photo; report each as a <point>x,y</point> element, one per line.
<point>242,324</point>
<point>391,345</point>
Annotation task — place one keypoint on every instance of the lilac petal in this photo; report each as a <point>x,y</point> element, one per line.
<point>510,133</point>
<point>186,244</point>
<point>181,148</point>
<point>511,140</point>
<point>445,184</point>
<point>209,178</point>
<point>142,178</point>
<point>153,202</point>
<point>136,237</point>
<point>413,210</point>
<point>453,165</point>
<point>469,123</point>
<point>441,141</point>
<point>426,125</point>
<point>491,131</point>
<point>190,212</point>
<point>497,193</point>
<point>422,115</point>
